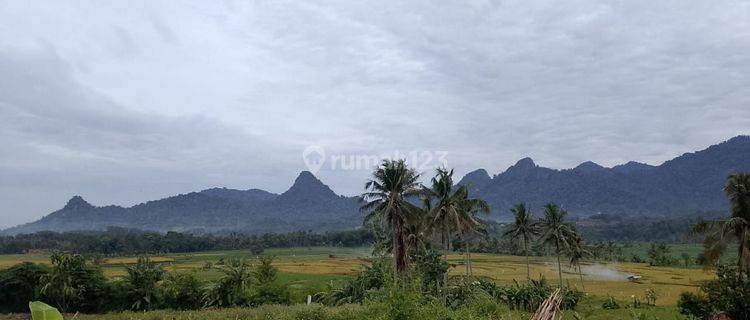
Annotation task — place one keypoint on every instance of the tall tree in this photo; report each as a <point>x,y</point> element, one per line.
<point>467,223</point>
<point>525,228</point>
<point>720,233</point>
<point>386,201</point>
<point>577,251</point>
<point>556,232</point>
<point>445,209</point>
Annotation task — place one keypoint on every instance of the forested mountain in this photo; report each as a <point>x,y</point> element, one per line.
<point>688,184</point>
<point>307,205</point>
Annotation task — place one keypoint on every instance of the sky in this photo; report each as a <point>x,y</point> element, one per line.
<point>128,101</point>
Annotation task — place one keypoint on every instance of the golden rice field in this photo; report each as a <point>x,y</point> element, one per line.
<point>314,267</point>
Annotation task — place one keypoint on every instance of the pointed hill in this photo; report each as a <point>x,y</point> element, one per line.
<point>690,183</point>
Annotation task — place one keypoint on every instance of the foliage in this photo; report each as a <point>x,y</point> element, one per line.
<point>265,272</point>
<point>736,229</point>
<point>730,293</point>
<point>385,201</point>
<point>119,241</point>
<point>530,295</point>
<point>610,304</point>
<point>431,268</point>
<point>19,285</point>
<point>556,232</point>
<point>72,285</point>
<point>267,290</point>
<point>651,296</point>
<point>525,228</point>
<point>231,288</point>
<point>182,291</point>
<point>659,255</point>
<point>141,279</point>
<point>356,289</point>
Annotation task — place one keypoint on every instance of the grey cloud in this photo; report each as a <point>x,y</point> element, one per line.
<point>189,95</point>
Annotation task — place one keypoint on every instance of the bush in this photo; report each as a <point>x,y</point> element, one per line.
<point>141,279</point>
<point>694,305</point>
<point>610,304</point>
<point>430,266</point>
<point>357,289</point>
<point>19,285</point>
<point>72,285</point>
<point>181,291</point>
<point>729,293</point>
<point>529,296</point>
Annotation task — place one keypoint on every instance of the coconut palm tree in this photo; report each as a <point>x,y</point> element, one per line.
<point>385,201</point>
<point>556,232</point>
<point>445,210</point>
<point>467,224</point>
<point>720,233</point>
<point>577,251</point>
<point>525,228</point>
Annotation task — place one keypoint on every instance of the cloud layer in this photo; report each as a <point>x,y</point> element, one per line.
<point>123,102</point>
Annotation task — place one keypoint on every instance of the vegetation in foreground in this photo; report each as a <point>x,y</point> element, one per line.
<point>417,285</point>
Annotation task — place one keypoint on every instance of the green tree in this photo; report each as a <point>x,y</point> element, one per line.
<point>265,272</point>
<point>386,201</point>
<point>720,233</point>
<point>556,232</point>
<point>467,222</point>
<point>577,252</point>
<point>525,228</point>
<point>141,279</point>
<point>231,288</point>
<point>72,285</point>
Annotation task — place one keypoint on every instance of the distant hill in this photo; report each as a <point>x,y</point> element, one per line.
<point>307,205</point>
<point>688,184</point>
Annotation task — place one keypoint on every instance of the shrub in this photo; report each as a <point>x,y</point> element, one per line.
<point>72,285</point>
<point>529,296</point>
<point>141,279</point>
<point>18,286</point>
<point>694,305</point>
<point>355,290</point>
<point>431,268</point>
<point>181,291</point>
<point>729,293</point>
<point>610,304</point>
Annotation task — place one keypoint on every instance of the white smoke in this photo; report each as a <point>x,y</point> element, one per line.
<point>604,272</point>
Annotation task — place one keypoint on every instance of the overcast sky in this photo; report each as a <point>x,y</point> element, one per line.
<point>127,101</point>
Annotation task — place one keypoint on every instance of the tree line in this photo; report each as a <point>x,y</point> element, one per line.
<point>118,241</point>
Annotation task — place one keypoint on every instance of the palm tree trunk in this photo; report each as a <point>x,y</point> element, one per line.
<point>744,256</point>
<point>559,265</point>
<point>580,273</point>
<point>468,261</point>
<point>400,249</point>
<point>528,266</point>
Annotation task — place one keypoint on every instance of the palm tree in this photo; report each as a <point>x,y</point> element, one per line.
<point>141,279</point>
<point>720,233</point>
<point>446,209</point>
<point>385,201</point>
<point>467,223</point>
<point>230,289</point>
<point>577,252</point>
<point>525,228</point>
<point>556,232</point>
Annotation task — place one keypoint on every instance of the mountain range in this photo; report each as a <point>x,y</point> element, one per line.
<point>690,183</point>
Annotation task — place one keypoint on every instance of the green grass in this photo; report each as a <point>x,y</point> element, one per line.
<point>310,270</point>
